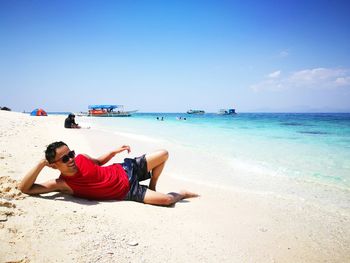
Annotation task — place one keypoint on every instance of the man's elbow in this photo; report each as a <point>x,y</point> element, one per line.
<point>24,189</point>
<point>20,187</point>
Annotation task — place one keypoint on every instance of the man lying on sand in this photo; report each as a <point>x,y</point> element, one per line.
<point>85,177</point>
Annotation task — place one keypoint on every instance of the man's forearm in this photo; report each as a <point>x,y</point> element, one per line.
<point>28,181</point>
<point>105,158</point>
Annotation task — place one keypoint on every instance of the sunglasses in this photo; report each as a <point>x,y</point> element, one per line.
<point>65,158</point>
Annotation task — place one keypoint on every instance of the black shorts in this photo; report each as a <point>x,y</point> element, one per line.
<point>136,170</point>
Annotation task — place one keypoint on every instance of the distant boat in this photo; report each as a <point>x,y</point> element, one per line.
<point>195,112</point>
<point>109,111</point>
<point>81,114</point>
<point>227,112</point>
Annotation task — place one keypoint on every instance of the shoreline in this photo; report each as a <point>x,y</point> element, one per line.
<point>230,154</point>
<point>225,225</point>
<point>205,170</point>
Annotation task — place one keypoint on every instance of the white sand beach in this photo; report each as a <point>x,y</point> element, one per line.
<point>222,225</point>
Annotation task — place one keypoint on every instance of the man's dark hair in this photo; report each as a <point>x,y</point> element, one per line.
<point>50,152</point>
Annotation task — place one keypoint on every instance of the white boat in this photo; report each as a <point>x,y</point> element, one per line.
<point>109,111</point>
<point>81,114</point>
<point>227,112</point>
<point>195,111</point>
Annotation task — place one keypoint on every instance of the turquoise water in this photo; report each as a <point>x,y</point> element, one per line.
<point>312,147</point>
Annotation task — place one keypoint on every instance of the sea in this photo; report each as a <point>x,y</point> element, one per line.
<point>250,148</point>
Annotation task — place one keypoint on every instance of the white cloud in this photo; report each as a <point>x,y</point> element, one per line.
<point>284,53</point>
<point>317,78</point>
<point>274,74</point>
<point>343,81</point>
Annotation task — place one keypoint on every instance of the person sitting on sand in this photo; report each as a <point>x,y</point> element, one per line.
<point>69,122</point>
<point>86,177</point>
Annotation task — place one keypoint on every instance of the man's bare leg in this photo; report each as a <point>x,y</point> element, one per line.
<point>156,198</point>
<point>155,163</point>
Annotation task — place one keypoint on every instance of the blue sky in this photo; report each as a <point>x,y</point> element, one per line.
<point>170,56</point>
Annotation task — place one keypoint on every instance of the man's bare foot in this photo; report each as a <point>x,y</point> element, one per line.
<point>188,194</point>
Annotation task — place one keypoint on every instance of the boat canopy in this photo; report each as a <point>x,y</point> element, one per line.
<point>104,106</point>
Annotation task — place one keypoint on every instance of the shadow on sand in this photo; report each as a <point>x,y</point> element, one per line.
<point>70,198</point>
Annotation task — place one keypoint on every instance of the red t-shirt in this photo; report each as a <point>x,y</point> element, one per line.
<point>98,182</point>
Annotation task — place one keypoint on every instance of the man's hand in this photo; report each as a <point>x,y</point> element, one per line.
<point>43,163</point>
<point>51,165</point>
<point>124,148</point>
